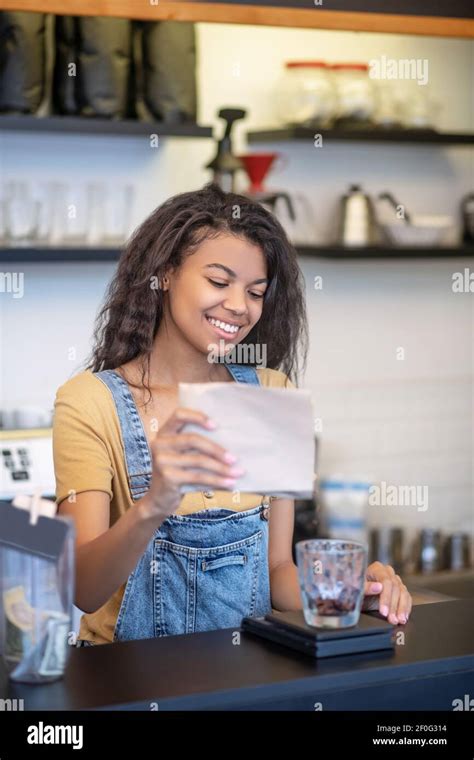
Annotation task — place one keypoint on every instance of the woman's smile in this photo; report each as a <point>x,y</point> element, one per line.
<point>223,328</point>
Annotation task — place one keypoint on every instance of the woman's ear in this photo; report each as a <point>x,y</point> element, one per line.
<point>165,279</point>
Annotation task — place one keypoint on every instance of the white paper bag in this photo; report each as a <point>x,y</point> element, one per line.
<point>270,430</point>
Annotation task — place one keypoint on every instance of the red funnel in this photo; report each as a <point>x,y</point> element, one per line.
<point>257,166</point>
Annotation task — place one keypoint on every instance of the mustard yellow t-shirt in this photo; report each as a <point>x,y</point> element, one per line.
<point>89,455</point>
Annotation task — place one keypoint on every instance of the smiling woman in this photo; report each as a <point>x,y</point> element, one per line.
<point>150,561</point>
<point>205,268</point>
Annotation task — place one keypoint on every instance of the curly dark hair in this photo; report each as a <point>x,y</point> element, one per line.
<point>128,321</point>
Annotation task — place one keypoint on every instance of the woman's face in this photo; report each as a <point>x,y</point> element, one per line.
<point>217,293</point>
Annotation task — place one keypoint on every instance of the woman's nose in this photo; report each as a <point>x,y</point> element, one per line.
<point>236,303</point>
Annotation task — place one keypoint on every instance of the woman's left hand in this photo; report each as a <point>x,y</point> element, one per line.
<point>386,592</point>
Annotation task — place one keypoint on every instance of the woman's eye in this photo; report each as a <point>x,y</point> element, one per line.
<point>218,284</point>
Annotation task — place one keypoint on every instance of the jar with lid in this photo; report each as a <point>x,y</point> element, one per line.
<point>355,95</point>
<point>306,94</point>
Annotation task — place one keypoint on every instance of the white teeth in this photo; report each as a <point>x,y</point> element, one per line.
<point>223,325</point>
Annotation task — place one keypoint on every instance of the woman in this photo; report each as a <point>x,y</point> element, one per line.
<point>205,268</point>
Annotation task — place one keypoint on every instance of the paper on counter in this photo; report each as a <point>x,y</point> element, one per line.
<point>270,430</point>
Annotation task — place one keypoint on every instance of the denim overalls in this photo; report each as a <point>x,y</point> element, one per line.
<point>201,571</point>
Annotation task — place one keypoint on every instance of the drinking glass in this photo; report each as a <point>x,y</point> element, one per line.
<point>21,214</point>
<point>332,578</point>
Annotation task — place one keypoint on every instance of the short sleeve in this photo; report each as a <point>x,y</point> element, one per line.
<point>274,378</point>
<point>81,457</point>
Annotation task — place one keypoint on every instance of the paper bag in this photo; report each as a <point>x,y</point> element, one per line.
<point>270,430</point>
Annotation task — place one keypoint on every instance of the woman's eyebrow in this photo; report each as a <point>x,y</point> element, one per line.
<point>233,274</point>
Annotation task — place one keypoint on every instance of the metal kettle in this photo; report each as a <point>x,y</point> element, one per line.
<point>467,212</point>
<point>357,225</point>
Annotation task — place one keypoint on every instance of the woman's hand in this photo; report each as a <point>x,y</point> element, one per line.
<point>386,592</point>
<point>192,458</point>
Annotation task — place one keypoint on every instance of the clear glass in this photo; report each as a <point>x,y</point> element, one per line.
<point>21,214</point>
<point>36,612</point>
<point>387,111</point>
<point>3,221</point>
<point>332,579</point>
<point>44,193</point>
<point>118,203</point>
<point>69,204</point>
<point>96,209</point>
<point>417,107</point>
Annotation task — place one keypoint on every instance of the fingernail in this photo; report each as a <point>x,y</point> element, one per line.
<point>383,610</point>
<point>229,482</point>
<point>211,424</point>
<point>402,619</point>
<point>236,472</point>
<point>376,587</point>
<point>393,619</point>
<point>230,457</point>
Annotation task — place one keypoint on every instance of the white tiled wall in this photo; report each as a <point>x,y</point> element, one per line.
<point>405,422</point>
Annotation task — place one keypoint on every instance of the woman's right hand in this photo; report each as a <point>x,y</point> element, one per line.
<point>179,458</point>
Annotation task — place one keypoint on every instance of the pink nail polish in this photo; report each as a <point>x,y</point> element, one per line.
<point>230,457</point>
<point>383,610</point>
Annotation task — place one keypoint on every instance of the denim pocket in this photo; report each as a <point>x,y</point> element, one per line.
<point>233,559</point>
<point>205,588</point>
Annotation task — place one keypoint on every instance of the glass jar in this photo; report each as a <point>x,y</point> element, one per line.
<point>306,94</point>
<point>355,94</point>
<point>417,107</point>
<point>387,114</point>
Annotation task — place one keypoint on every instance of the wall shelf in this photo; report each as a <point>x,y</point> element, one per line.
<point>71,255</point>
<point>419,136</point>
<point>75,255</point>
<point>420,17</point>
<point>97,126</point>
<point>385,252</point>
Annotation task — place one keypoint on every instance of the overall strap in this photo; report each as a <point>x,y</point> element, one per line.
<point>137,453</point>
<point>244,373</point>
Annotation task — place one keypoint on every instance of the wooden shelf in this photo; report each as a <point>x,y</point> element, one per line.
<point>73,255</point>
<point>93,126</point>
<point>418,136</point>
<point>420,17</point>
<point>59,255</point>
